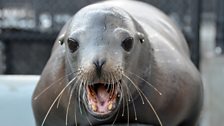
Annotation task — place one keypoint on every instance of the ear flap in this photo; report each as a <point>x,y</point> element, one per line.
<point>140,33</point>
<point>141,37</point>
<point>61,39</point>
<point>62,33</point>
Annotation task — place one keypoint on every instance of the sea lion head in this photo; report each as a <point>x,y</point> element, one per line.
<point>103,45</point>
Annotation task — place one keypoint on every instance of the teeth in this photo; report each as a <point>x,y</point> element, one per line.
<point>110,106</point>
<point>119,96</point>
<point>94,108</point>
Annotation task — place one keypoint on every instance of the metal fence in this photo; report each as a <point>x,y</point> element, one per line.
<point>28,29</point>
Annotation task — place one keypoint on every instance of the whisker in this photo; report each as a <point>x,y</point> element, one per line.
<point>130,98</point>
<point>133,103</point>
<point>83,84</point>
<point>119,107</point>
<point>76,124</point>
<point>113,82</point>
<point>153,109</point>
<point>61,97</point>
<point>79,94</point>
<point>135,87</point>
<point>128,91</point>
<point>88,119</point>
<point>115,119</point>
<point>59,101</point>
<point>109,82</point>
<point>56,100</point>
<point>69,101</point>
<point>123,103</point>
<point>61,78</point>
<point>146,82</point>
<point>127,111</point>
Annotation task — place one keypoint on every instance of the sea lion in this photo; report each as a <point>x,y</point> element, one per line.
<point>119,62</point>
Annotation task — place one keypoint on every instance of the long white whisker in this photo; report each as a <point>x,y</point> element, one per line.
<point>135,87</point>
<point>76,124</point>
<point>127,111</point>
<point>56,100</point>
<point>130,98</point>
<point>116,117</point>
<point>133,103</point>
<point>37,96</point>
<point>69,101</point>
<point>79,94</point>
<point>88,119</point>
<point>70,96</point>
<point>160,122</point>
<point>59,99</point>
<point>153,109</point>
<point>146,82</point>
<point>123,103</point>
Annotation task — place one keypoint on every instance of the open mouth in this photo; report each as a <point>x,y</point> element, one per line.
<point>103,98</point>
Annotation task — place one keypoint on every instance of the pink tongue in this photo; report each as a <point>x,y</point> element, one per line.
<point>102,94</point>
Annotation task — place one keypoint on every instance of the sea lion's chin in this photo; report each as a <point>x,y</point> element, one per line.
<point>103,99</point>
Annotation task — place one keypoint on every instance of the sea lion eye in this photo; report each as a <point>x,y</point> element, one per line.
<point>73,45</point>
<point>127,44</point>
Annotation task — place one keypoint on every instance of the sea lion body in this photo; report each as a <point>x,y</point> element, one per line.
<point>161,58</point>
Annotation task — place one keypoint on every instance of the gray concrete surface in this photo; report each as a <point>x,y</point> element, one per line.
<point>212,71</point>
<point>15,100</point>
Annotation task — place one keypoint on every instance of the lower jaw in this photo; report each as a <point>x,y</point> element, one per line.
<point>103,116</point>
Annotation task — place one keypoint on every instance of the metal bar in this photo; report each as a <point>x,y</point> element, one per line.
<point>196,9</point>
<point>220,26</point>
<point>27,35</point>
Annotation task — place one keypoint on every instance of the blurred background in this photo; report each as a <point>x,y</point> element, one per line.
<point>28,29</point>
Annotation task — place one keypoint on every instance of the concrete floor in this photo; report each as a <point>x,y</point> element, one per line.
<point>212,70</point>
<point>15,96</point>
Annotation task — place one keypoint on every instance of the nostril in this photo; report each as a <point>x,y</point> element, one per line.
<point>99,64</point>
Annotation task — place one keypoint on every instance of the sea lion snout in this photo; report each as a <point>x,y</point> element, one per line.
<point>103,86</point>
<point>98,65</point>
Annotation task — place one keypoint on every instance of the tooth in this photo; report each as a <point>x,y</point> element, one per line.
<point>94,108</point>
<point>110,106</point>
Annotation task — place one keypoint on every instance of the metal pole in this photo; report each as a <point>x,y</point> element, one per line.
<point>220,26</point>
<point>196,9</point>
<point>2,58</point>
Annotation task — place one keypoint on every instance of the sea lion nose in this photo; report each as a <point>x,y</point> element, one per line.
<point>99,64</point>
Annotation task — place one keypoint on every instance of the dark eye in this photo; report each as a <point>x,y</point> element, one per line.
<point>73,45</point>
<point>127,44</point>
